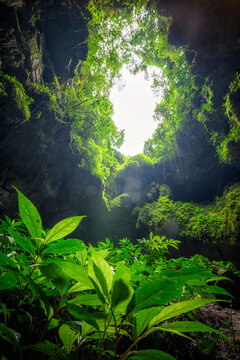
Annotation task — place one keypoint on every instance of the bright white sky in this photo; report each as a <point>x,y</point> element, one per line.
<point>133,111</point>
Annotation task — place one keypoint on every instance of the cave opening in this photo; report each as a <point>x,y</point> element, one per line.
<point>100,250</point>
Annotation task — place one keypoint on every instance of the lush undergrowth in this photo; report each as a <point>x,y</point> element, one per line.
<point>218,222</point>
<point>61,299</point>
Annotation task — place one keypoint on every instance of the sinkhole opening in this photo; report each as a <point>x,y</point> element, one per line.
<point>134,103</point>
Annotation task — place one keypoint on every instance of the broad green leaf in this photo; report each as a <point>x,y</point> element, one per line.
<point>79,287</point>
<point>23,242</point>
<point>191,276</point>
<point>76,272</point>
<point>122,293</point>
<point>122,272</point>
<point>53,324</point>
<point>88,299</point>
<point>101,274</point>
<point>218,278</point>
<point>82,314</point>
<point>8,281</point>
<point>68,335</point>
<point>29,215</point>
<point>157,292</point>
<point>179,308</point>
<point>68,246</point>
<point>144,316</point>
<point>82,256</point>
<point>55,274</point>
<point>190,326</point>
<point>218,290</point>
<point>63,228</point>
<point>53,351</point>
<point>151,355</point>
<point>159,328</point>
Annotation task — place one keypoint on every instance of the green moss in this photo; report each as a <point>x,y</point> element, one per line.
<point>22,100</point>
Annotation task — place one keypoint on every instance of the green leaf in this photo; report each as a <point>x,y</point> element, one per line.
<point>144,316</point>
<point>88,299</point>
<point>23,242</point>
<point>157,292</point>
<point>29,215</point>
<point>82,314</point>
<point>63,228</point>
<point>55,274</point>
<point>68,335</point>
<point>100,274</point>
<point>82,256</point>
<point>53,324</point>
<point>8,281</point>
<point>122,293</point>
<point>151,355</point>
<point>122,272</point>
<point>76,272</point>
<point>214,289</point>
<point>179,308</point>
<point>68,246</point>
<point>190,326</point>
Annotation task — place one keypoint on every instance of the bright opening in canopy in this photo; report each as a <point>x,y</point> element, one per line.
<point>133,110</point>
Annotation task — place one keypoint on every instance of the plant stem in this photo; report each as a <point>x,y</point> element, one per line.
<point>132,346</point>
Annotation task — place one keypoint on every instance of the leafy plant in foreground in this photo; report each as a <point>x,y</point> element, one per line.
<point>69,292</point>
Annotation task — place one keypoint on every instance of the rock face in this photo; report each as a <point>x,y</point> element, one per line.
<point>40,40</point>
<point>36,156</point>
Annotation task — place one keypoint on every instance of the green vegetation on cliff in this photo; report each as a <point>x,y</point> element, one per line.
<point>218,222</point>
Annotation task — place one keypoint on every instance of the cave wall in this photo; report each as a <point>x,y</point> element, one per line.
<point>36,157</point>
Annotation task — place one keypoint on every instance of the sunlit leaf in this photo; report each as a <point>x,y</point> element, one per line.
<point>144,316</point>
<point>179,308</point>
<point>190,326</point>
<point>100,274</point>
<point>29,215</point>
<point>68,246</point>
<point>88,299</point>
<point>157,292</point>
<point>76,272</point>
<point>63,228</point>
<point>68,335</point>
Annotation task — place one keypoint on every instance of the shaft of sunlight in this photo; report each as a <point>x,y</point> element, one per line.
<point>133,110</point>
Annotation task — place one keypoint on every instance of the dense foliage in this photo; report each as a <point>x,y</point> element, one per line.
<point>222,139</point>
<point>218,222</point>
<point>66,300</point>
